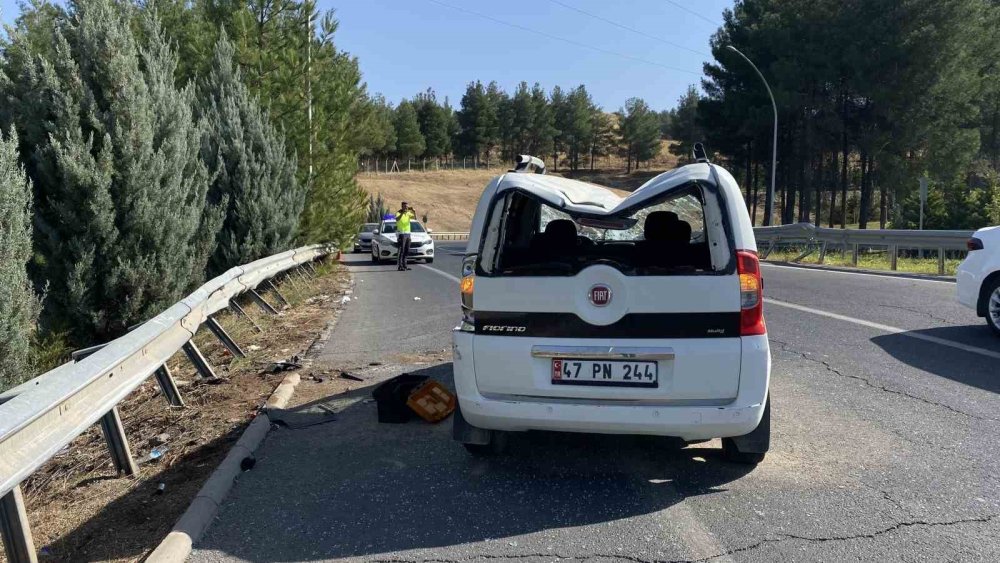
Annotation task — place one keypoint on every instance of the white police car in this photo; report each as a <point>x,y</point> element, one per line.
<point>587,312</point>
<point>386,249</point>
<point>979,276</point>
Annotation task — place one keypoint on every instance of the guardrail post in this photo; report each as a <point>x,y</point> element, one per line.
<point>223,336</point>
<point>14,529</point>
<point>309,266</point>
<point>168,387</point>
<point>894,253</point>
<point>114,435</point>
<point>940,261</point>
<point>304,277</point>
<point>854,254</point>
<point>274,289</point>
<point>199,361</point>
<point>261,303</point>
<point>239,311</point>
<point>770,247</point>
<point>822,252</point>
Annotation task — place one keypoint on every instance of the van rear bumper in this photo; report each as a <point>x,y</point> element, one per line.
<point>739,417</point>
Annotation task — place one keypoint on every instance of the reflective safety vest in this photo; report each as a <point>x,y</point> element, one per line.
<point>403,221</point>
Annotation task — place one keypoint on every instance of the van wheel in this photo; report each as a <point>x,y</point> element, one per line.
<point>750,448</point>
<point>496,446</point>
<point>479,442</point>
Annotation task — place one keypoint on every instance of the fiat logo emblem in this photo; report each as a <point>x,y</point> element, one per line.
<point>600,295</point>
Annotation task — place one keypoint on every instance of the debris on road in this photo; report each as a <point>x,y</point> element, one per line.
<point>304,416</point>
<point>416,299</point>
<point>345,299</point>
<point>287,365</point>
<point>156,453</point>
<point>432,401</point>
<point>247,463</point>
<point>351,376</point>
<point>404,396</point>
<point>254,348</point>
<point>161,488</point>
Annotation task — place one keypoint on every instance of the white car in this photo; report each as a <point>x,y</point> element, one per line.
<point>385,247</point>
<point>979,276</point>
<point>587,312</point>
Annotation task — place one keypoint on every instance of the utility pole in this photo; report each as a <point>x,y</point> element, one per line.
<point>310,33</point>
<point>774,147</point>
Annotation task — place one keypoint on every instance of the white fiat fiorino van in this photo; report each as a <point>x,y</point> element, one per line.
<point>588,312</point>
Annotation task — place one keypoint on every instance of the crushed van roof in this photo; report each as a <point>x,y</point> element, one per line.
<point>594,199</point>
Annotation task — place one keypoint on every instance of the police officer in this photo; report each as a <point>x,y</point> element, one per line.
<point>403,218</point>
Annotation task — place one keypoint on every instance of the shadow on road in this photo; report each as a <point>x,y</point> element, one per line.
<point>964,367</point>
<point>357,488</point>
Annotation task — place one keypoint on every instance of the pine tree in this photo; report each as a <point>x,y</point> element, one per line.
<point>640,131</point>
<point>254,176</point>
<point>542,132</point>
<point>433,124</point>
<point>684,126</point>
<point>20,311</point>
<point>112,149</point>
<point>409,141</point>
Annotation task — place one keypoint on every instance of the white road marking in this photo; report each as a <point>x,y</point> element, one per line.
<point>887,328</point>
<point>842,273</point>
<point>441,273</point>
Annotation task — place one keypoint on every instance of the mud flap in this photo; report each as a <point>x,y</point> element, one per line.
<point>759,440</point>
<point>466,433</point>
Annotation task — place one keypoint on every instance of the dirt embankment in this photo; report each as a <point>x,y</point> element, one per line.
<point>448,197</point>
<point>80,510</point>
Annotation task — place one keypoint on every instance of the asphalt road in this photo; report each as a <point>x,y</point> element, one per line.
<point>886,417</point>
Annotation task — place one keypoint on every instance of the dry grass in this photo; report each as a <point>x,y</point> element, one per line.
<point>79,509</point>
<point>449,197</point>
<point>872,261</point>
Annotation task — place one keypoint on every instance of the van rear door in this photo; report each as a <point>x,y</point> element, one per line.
<point>641,304</point>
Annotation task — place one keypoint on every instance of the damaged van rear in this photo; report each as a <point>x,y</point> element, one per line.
<point>585,311</point>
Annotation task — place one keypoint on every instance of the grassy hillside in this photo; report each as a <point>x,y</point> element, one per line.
<point>449,197</point>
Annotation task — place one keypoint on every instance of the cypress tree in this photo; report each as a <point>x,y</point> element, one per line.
<point>254,176</point>
<point>20,310</point>
<point>112,149</point>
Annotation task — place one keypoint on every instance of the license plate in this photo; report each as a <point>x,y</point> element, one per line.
<point>618,373</point>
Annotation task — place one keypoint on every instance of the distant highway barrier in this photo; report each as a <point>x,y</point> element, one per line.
<point>820,239</point>
<point>40,417</point>
<point>812,239</point>
<point>450,236</point>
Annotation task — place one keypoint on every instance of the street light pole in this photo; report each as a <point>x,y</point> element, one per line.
<point>774,147</point>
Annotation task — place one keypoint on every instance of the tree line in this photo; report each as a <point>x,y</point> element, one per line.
<point>564,126</point>
<point>148,146</point>
<point>871,97</point>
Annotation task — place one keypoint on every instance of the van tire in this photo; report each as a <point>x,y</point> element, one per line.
<point>750,448</point>
<point>479,442</point>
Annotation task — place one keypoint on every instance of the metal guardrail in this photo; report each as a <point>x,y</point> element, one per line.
<point>450,236</point>
<point>42,416</point>
<point>814,238</point>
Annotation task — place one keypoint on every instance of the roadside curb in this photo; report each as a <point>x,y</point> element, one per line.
<point>888,274</point>
<point>199,515</point>
<point>189,528</point>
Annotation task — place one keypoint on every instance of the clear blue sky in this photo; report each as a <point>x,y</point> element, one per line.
<point>406,46</point>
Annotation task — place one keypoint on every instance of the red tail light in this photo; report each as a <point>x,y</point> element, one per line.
<point>751,294</point>
<point>974,244</point>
